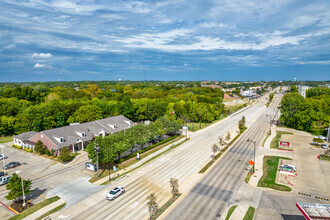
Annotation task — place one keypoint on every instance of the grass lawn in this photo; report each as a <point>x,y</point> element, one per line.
<point>277,138</point>
<point>322,157</point>
<point>6,139</point>
<point>195,126</point>
<point>268,134</point>
<point>58,208</point>
<point>35,208</point>
<point>248,176</point>
<point>230,212</point>
<point>249,214</point>
<point>270,165</point>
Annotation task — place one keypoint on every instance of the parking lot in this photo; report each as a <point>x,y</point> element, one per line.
<point>46,175</point>
<point>311,182</point>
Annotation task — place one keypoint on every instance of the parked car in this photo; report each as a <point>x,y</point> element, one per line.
<point>314,143</point>
<point>324,146</point>
<point>4,180</point>
<point>114,193</point>
<point>3,156</point>
<point>3,173</point>
<point>11,165</point>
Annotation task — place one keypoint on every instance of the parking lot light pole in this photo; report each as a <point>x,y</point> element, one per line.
<point>97,148</point>
<point>3,157</point>
<point>20,172</point>
<point>254,147</point>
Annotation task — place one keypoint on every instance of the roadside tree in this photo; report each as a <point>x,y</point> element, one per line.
<point>152,204</point>
<point>174,186</point>
<point>215,148</point>
<point>15,187</point>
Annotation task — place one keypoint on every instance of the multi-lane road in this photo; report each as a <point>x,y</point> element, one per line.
<point>181,163</point>
<point>210,198</point>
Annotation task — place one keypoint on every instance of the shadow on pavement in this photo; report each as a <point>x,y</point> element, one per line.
<point>293,217</point>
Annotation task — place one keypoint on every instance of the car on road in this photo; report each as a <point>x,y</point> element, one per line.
<point>114,193</point>
<point>324,146</point>
<point>4,180</point>
<point>3,156</point>
<point>11,165</point>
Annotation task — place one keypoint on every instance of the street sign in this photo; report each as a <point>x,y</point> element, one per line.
<point>185,127</point>
<point>251,162</point>
<point>138,156</point>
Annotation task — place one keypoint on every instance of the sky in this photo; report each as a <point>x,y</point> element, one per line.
<point>225,40</point>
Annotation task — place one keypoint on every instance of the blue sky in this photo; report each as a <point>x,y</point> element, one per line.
<point>164,40</point>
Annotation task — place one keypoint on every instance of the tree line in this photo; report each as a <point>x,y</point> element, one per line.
<point>39,108</point>
<point>113,146</point>
<point>311,114</point>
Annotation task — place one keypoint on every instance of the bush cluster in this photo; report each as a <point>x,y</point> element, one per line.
<point>28,150</point>
<point>17,146</point>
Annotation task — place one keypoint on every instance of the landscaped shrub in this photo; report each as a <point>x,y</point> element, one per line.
<point>28,150</point>
<point>17,146</point>
<point>39,147</point>
<point>47,152</point>
<point>65,154</point>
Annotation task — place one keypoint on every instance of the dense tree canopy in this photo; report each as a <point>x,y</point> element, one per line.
<point>311,114</point>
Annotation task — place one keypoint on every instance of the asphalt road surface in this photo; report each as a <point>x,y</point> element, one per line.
<point>181,163</point>
<point>210,198</point>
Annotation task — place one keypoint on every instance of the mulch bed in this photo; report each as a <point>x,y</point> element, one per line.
<point>17,206</point>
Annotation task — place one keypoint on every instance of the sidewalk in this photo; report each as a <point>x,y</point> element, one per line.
<point>104,179</point>
<point>44,210</point>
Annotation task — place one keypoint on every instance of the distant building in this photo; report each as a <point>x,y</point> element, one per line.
<point>75,137</point>
<point>212,86</point>
<point>302,90</point>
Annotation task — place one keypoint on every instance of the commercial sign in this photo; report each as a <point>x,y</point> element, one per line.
<point>284,144</point>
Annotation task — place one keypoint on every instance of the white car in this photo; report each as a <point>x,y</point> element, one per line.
<point>3,156</point>
<point>4,180</point>
<point>114,193</point>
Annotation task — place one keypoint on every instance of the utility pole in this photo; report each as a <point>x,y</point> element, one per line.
<point>20,172</point>
<point>3,157</point>
<point>97,148</point>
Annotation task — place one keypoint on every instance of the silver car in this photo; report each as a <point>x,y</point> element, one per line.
<point>114,193</point>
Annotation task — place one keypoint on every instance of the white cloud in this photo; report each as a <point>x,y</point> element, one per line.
<point>39,65</point>
<point>42,55</point>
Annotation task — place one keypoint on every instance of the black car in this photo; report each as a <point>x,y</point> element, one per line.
<point>2,174</point>
<point>11,165</point>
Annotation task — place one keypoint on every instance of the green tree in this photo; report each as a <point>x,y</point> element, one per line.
<point>39,147</point>
<point>15,187</point>
<point>86,113</point>
<point>60,120</point>
<point>65,154</point>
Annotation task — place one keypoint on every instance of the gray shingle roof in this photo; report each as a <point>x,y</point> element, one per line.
<point>25,135</point>
<point>71,134</point>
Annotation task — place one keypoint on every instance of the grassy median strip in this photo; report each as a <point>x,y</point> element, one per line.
<point>132,160</point>
<point>154,157</point>
<point>58,208</point>
<point>218,155</point>
<point>323,157</point>
<point>268,134</point>
<point>162,209</point>
<point>35,208</point>
<point>248,176</point>
<point>249,214</point>
<point>230,212</point>
<point>277,138</point>
<point>270,165</point>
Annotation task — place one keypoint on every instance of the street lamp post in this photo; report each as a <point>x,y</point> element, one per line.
<point>3,157</point>
<point>20,172</point>
<point>97,148</point>
<point>254,153</point>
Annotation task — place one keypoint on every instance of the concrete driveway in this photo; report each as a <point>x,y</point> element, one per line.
<point>45,174</point>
